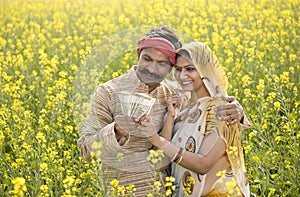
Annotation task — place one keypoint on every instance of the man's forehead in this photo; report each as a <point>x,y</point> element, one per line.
<point>155,54</point>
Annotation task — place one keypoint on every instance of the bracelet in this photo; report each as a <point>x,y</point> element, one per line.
<point>178,162</point>
<point>178,157</point>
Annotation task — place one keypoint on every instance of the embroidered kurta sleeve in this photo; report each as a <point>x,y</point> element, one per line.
<point>245,124</point>
<point>99,126</point>
<point>98,136</point>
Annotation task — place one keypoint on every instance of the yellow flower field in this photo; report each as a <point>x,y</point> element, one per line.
<point>54,52</point>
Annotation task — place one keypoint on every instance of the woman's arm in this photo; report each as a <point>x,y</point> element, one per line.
<point>193,161</point>
<point>212,147</point>
<point>168,127</point>
<point>173,104</point>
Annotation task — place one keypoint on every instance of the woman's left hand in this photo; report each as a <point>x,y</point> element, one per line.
<point>173,104</point>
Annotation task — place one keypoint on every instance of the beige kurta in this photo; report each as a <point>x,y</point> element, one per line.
<point>99,126</point>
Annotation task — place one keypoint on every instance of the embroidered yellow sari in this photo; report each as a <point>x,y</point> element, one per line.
<point>198,122</point>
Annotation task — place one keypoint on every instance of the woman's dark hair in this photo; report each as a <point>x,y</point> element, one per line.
<point>183,53</point>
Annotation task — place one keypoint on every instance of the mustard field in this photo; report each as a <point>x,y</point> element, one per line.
<point>54,52</point>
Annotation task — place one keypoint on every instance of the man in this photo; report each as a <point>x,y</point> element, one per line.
<point>119,133</point>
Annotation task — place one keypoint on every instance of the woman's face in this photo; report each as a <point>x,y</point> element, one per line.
<point>187,76</point>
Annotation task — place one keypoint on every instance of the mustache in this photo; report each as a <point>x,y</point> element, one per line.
<point>147,72</point>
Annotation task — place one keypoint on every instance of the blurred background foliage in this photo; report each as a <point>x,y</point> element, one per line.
<point>54,53</point>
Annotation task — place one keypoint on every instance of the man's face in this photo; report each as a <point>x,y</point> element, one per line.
<point>153,66</point>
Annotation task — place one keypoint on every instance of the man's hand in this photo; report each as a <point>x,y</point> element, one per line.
<point>231,112</point>
<point>123,126</point>
<point>147,128</point>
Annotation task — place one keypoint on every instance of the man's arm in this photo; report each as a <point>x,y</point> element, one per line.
<point>98,136</point>
<point>99,125</point>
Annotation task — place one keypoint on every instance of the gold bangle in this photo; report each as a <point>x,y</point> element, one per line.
<point>179,160</point>
<point>178,155</point>
<point>175,156</point>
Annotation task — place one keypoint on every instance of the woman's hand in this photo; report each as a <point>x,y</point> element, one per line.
<point>173,104</point>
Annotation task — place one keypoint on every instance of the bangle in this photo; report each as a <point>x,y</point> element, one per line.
<point>179,160</point>
<point>178,157</point>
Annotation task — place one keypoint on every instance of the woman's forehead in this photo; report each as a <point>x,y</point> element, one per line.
<point>184,61</point>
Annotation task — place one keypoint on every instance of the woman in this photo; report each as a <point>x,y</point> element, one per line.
<point>206,153</point>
